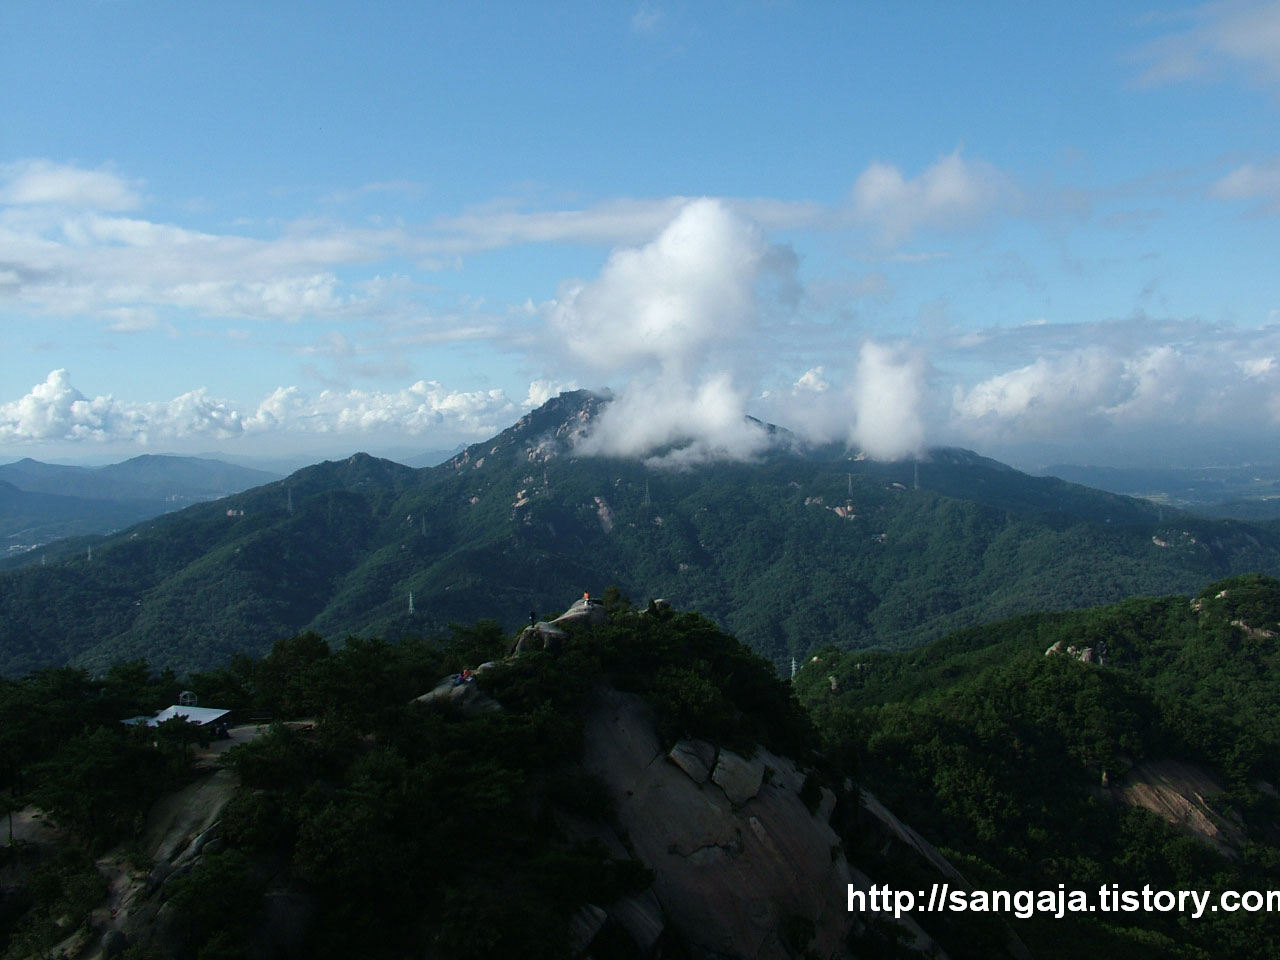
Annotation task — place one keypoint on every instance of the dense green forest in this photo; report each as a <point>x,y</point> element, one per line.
<point>404,825</point>
<point>1016,759</point>
<point>804,548</point>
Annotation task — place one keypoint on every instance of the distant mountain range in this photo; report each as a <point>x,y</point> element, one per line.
<point>43,502</point>
<point>149,477</point>
<point>802,548</point>
<point>1246,492</point>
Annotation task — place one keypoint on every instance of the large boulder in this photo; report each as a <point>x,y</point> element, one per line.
<point>730,876</point>
<point>583,612</point>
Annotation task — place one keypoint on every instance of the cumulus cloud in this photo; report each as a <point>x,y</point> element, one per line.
<point>951,193</point>
<point>540,391</point>
<point>685,316</point>
<point>1089,390</point>
<point>677,315</point>
<point>877,403</point>
<point>56,411</point>
<point>888,401</point>
<point>812,381</point>
<point>675,423</point>
<point>664,303</point>
<point>422,408</point>
<point>1047,395</point>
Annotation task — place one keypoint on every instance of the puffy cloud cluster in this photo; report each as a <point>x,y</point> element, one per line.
<point>684,316</point>
<point>888,399</point>
<point>879,405</point>
<point>673,423</point>
<point>1225,385</point>
<point>677,315</point>
<point>692,318</point>
<point>56,411</point>
<point>666,302</point>
<point>425,407</point>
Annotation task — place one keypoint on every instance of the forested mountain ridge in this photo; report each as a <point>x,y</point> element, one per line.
<point>28,518</point>
<point>486,819</point>
<point>801,548</point>
<point>1036,749</point>
<point>642,786</point>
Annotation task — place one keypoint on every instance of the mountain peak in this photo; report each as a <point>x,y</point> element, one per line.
<point>540,434</point>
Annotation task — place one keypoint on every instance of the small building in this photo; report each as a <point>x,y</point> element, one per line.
<point>201,715</point>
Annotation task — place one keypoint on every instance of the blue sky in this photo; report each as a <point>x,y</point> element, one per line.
<point>1044,233</point>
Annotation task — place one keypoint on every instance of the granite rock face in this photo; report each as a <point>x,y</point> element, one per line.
<point>736,856</point>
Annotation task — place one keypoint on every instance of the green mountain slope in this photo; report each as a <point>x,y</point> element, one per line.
<point>28,518</point>
<point>801,549</point>
<point>1149,759</point>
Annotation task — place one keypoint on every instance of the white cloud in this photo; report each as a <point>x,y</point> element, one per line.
<point>625,220</point>
<point>56,411</point>
<point>1210,384</point>
<point>43,183</point>
<point>499,225</point>
<point>675,423</point>
<point>811,381</point>
<point>1250,182</point>
<point>951,193</point>
<point>1255,367</point>
<point>425,407</point>
<point>540,391</point>
<point>97,265</point>
<point>1224,34</point>
<point>888,395</point>
<point>666,302</point>
<point>1047,396</point>
<point>680,315</point>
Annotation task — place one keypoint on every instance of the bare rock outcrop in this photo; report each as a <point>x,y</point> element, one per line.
<point>1183,794</point>
<point>548,634</point>
<point>730,872</point>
